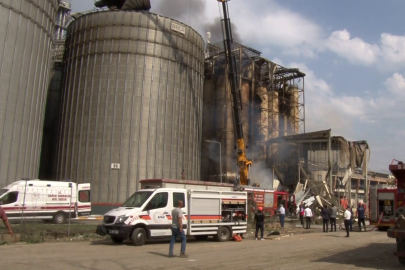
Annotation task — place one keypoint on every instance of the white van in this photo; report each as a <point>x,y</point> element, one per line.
<point>45,200</point>
<point>210,209</point>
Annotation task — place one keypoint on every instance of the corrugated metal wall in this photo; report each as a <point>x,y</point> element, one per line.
<point>26,29</point>
<point>132,95</point>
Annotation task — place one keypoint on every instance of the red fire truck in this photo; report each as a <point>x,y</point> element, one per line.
<point>271,200</point>
<point>382,207</point>
<point>398,231</point>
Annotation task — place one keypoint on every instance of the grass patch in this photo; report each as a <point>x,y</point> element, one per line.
<point>33,232</point>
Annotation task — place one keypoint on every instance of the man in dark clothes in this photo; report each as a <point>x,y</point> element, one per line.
<point>332,212</point>
<point>325,218</point>
<point>361,216</point>
<point>259,219</point>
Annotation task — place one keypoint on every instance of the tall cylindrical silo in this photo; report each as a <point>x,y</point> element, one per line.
<point>294,110</point>
<point>132,96</point>
<point>26,29</point>
<point>274,119</point>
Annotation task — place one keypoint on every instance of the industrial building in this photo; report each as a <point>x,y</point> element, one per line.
<point>272,105</point>
<point>131,102</point>
<point>26,42</point>
<point>119,94</point>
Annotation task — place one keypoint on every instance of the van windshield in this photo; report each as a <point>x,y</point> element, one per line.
<point>137,199</point>
<point>2,191</point>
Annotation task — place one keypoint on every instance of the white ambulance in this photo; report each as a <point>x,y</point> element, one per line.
<point>45,200</point>
<point>210,209</point>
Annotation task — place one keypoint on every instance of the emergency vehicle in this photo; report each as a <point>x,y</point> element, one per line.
<point>45,200</point>
<point>382,207</point>
<point>270,200</point>
<point>210,209</point>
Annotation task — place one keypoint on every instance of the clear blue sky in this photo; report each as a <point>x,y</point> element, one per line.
<point>353,53</point>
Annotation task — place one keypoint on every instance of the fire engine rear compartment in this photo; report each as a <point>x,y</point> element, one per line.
<point>211,209</point>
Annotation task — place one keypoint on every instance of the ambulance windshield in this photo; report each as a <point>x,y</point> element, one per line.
<point>2,191</point>
<point>137,199</point>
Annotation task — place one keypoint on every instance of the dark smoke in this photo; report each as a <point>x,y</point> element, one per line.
<point>180,9</point>
<point>215,28</point>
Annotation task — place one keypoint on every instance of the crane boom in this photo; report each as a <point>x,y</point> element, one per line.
<point>243,163</point>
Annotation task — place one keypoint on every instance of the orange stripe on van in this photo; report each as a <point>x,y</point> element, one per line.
<point>145,217</point>
<point>208,217</point>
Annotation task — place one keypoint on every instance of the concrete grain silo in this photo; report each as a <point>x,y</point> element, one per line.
<point>132,96</point>
<point>26,29</point>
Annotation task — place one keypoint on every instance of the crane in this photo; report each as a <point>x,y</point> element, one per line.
<point>243,163</point>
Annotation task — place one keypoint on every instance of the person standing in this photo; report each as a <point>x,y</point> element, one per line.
<point>325,218</point>
<point>301,212</point>
<point>347,216</point>
<point>3,216</point>
<point>351,218</point>
<point>308,215</point>
<point>259,219</point>
<point>177,230</point>
<point>332,211</point>
<point>282,215</point>
<point>361,216</point>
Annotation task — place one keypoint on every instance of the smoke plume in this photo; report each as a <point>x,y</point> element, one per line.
<point>262,174</point>
<point>192,12</point>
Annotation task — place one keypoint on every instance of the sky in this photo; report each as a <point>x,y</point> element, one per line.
<point>353,54</point>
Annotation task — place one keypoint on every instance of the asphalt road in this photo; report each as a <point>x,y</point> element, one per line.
<point>315,250</point>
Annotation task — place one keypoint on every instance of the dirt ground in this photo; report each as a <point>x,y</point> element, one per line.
<point>309,250</point>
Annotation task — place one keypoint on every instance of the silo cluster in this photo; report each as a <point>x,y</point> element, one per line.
<point>26,30</point>
<point>272,106</point>
<point>132,102</point>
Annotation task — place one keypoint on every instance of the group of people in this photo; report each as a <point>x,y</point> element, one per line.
<point>329,216</point>
<point>305,213</point>
<point>259,220</point>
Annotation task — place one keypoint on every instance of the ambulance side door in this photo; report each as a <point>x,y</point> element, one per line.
<point>157,209</point>
<point>181,196</point>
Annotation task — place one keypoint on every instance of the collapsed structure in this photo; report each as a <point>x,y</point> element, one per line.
<point>315,164</point>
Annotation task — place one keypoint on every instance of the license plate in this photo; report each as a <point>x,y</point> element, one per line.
<point>114,231</point>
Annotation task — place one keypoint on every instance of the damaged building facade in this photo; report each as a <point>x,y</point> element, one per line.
<point>272,100</point>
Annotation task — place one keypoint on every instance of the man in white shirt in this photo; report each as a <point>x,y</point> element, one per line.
<point>308,215</point>
<point>282,215</point>
<point>347,216</point>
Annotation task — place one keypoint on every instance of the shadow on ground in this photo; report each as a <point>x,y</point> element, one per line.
<point>373,256</point>
<point>165,240</point>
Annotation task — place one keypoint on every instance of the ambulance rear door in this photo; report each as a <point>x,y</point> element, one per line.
<point>83,202</point>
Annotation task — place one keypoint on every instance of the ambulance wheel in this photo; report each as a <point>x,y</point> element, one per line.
<point>59,218</point>
<point>223,234</point>
<point>201,237</point>
<point>138,237</point>
<point>116,239</point>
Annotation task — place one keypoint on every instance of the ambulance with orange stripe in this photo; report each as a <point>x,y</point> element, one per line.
<point>210,209</point>
<point>45,200</point>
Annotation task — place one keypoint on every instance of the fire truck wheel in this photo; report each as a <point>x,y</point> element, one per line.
<point>116,239</point>
<point>201,237</point>
<point>138,237</point>
<point>223,234</point>
<point>59,218</point>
